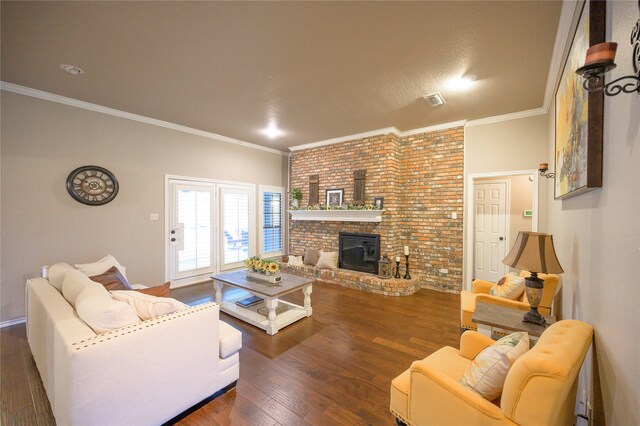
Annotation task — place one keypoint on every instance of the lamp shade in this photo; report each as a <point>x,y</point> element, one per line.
<point>534,252</point>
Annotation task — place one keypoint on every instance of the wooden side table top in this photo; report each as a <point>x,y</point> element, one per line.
<point>507,318</point>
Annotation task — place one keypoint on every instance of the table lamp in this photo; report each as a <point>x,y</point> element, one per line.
<point>534,252</point>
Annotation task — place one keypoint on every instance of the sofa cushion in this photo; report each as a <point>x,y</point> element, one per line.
<point>328,260</point>
<point>488,371</point>
<point>56,274</point>
<point>230,340</point>
<point>103,313</point>
<point>147,306</point>
<point>75,283</point>
<point>400,395</point>
<point>511,286</point>
<point>311,257</point>
<point>112,279</point>
<point>101,266</point>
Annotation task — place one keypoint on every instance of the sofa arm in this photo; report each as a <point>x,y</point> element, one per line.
<point>146,373</point>
<point>472,343</point>
<point>501,301</point>
<point>435,398</point>
<point>481,286</point>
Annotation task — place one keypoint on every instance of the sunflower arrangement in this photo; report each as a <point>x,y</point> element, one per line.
<point>264,266</point>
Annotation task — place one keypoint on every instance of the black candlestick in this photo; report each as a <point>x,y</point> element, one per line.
<point>397,275</point>
<point>407,276</point>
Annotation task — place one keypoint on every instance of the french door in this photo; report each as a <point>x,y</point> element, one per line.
<point>210,228</point>
<point>192,219</point>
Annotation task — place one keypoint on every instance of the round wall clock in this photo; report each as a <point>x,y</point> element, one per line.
<point>92,185</point>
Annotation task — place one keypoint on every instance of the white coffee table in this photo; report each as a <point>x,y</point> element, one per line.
<point>271,293</point>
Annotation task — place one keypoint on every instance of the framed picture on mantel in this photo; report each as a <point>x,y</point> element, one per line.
<point>334,197</point>
<point>579,114</point>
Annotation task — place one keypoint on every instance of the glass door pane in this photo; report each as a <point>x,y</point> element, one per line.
<point>236,213</point>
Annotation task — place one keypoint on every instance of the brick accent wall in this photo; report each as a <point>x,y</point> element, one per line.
<point>421,179</point>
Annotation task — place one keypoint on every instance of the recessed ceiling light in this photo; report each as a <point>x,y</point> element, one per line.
<point>434,99</point>
<point>71,69</point>
<point>272,130</point>
<point>461,83</point>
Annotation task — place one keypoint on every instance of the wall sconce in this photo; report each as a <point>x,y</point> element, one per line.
<point>599,61</point>
<point>543,169</point>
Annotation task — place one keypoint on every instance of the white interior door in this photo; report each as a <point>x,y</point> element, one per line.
<point>192,221</point>
<point>490,228</point>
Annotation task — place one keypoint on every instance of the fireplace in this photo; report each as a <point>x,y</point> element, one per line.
<point>359,252</point>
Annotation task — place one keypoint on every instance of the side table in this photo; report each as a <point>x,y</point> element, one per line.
<point>489,316</point>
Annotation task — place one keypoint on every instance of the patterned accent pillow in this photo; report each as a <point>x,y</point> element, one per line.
<point>488,371</point>
<point>511,286</point>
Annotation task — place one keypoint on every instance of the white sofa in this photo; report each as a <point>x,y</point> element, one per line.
<point>142,374</point>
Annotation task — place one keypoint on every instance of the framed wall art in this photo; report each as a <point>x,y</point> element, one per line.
<point>578,113</point>
<point>334,197</point>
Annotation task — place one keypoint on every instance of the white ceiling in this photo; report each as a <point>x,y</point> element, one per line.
<point>321,70</point>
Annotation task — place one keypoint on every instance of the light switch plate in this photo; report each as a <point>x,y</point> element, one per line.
<point>454,215</point>
<point>154,216</point>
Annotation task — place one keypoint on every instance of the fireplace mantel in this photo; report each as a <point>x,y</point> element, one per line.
<point>338,215</point>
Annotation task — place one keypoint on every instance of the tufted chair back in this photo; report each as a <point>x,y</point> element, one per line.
<point>541,385</point>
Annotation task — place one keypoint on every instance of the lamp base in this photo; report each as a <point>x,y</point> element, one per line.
<point>533,288</point>
<point>534,317</point>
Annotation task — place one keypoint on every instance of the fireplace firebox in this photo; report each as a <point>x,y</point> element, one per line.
<point>359,252</point>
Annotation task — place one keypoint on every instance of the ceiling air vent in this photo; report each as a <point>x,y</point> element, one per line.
<point>434,99</point>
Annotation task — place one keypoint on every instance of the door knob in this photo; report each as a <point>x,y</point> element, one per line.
<point>501,238</point>
<point>173,239</point>
<point>173,231</point>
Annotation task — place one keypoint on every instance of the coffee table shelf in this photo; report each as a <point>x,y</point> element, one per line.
<point>270,293</point>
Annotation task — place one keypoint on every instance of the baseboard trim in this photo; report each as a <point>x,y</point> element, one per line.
<point>16,321</point>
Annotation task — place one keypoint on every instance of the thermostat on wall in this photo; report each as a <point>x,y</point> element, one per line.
<point>527,213</point>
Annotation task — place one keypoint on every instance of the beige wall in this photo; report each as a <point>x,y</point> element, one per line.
<point>506,146</point>
<point>597,238</point>
<point>41,224</point>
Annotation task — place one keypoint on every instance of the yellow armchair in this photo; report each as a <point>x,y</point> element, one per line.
<point>540,388</point>
<point>480,292</point>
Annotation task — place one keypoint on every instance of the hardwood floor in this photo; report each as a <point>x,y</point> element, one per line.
<point>333,368</point>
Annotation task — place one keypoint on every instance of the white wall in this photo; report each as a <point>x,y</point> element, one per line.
<point>43,141</point>
<point>512,145</point>
<point>597,238</point>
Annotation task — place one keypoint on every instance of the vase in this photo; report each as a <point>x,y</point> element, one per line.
<point>295,203</point>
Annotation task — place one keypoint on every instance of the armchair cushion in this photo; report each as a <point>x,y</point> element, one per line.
<point>487,372</point>
<point>230,340</point>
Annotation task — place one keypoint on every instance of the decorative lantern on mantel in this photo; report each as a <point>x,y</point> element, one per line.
<point>384,267</point>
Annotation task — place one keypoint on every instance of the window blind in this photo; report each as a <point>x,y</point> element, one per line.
<point>194,212</point>
<point>235,210</point>
<point>272,222</point>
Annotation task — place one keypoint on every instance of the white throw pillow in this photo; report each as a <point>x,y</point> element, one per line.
<point>488,371</point>
<point>147,306</point>
<point>328,260</point>
<point>57,273</point>
<point>102,313</point>
<point>101,266</point>
<point>75,283</point>
<point>295,261</point>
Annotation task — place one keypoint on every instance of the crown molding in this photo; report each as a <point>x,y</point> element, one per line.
<point>384,131</point>
<point>435,128</point>
<point>507,117</point>
<point>340,139</point>
<point>40,94</point>
<point>567,14</point>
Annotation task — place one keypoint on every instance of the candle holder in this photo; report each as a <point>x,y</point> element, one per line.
<point>397,275</point>
<point>407,275</point>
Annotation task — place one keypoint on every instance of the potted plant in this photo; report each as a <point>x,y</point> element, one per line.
<point>296,196</point>
<point>263,269</point>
